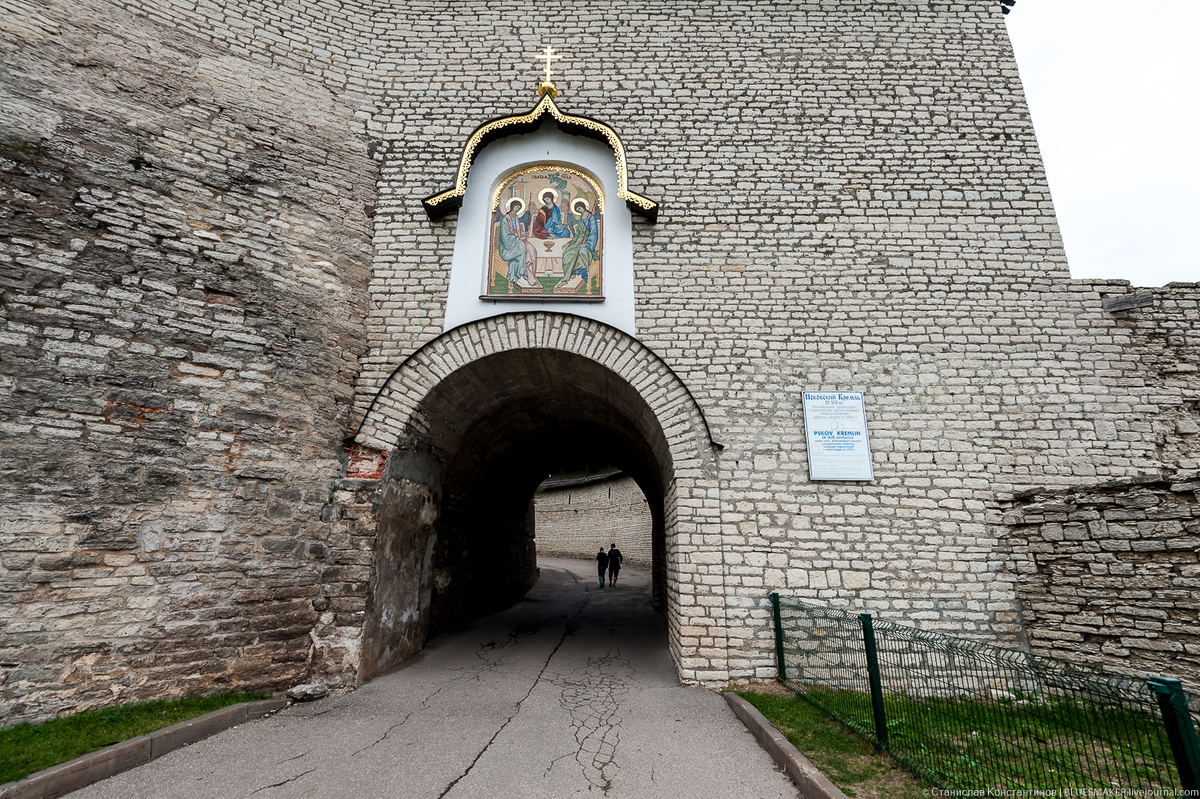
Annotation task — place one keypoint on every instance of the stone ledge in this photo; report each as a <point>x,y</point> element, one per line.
<point>1083,488</point>
<point>104,763</point>
<point>1127,302</point>
<point>808,778</point>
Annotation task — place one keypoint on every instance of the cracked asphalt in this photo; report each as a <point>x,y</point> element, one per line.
<point>570,692</point>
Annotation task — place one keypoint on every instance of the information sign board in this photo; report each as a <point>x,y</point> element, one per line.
<point>835,424</point>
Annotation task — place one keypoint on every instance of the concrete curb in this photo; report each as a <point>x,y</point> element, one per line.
<point>811,782</point>
<point>104,763</point>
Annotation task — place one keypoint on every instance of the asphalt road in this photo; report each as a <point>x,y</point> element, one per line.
<point>570,692</point>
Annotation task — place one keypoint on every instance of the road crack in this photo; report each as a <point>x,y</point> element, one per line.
<point>423,704</point>
<point>593,696</point>
<point>290,759</point>
<point>515,713</point>
<point>285,782</point>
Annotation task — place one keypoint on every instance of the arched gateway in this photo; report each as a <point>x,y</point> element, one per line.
<point>471,420</point>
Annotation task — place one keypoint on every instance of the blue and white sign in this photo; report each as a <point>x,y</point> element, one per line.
<point>835,424</point>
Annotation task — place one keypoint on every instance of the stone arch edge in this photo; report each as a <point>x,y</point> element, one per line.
<point>386,417</point>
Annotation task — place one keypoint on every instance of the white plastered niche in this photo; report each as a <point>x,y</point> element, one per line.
<point>546,145</point>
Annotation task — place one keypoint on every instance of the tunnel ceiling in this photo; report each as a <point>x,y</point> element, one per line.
<point>517,410</point>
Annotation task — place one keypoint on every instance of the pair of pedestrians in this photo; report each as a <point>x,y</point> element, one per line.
<point>609,561</point>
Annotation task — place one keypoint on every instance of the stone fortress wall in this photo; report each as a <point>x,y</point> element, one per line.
<point>1108,573</point>
<point>573,521</point>
<point>185,253</point>
<point>213,255</point>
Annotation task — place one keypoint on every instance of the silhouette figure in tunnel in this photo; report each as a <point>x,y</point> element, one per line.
<point>614,565</point>
<point>601,563</point>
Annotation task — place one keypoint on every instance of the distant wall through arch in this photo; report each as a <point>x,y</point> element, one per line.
<point>572,520</point>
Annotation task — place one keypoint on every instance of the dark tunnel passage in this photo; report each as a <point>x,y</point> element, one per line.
<point>455,538</point>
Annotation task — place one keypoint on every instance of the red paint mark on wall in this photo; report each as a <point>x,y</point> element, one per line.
<point>364,463</point>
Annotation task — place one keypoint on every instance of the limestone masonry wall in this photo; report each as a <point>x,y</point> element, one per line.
<point>213,255</point>
<point>574,521</point>
<point>1108,576</point>
<point>183,259</point>
<point>1164,329</point>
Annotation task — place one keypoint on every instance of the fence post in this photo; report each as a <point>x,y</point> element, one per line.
<point>876,682</point>
<point>1180,732</point>
<point>780,668</point>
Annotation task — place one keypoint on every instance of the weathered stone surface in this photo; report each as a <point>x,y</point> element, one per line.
<point>1129,608</point>
<point>575,520</point>
<point>308,692</point>
<point>183,258</point>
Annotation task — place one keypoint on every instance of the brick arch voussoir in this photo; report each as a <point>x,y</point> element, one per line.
<point>392,411</point>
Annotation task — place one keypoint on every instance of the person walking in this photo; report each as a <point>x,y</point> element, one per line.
<point>601,563</point>
<point>614,565</point>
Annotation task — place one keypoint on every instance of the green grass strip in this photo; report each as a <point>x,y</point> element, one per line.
<point>26,748</point>
<point>1027,743</point>
<point>848,761</point>
<point>1023,743</point>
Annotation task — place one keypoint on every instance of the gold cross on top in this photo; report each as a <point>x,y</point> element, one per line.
<point>549,56</point>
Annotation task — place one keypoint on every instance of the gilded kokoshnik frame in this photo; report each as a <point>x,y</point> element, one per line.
<point>547,236</point>
<point>443,202</point>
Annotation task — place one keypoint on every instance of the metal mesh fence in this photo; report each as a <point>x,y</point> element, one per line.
<point>969,716</point>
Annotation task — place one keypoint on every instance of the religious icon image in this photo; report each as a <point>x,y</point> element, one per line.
<point>547,235</point>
